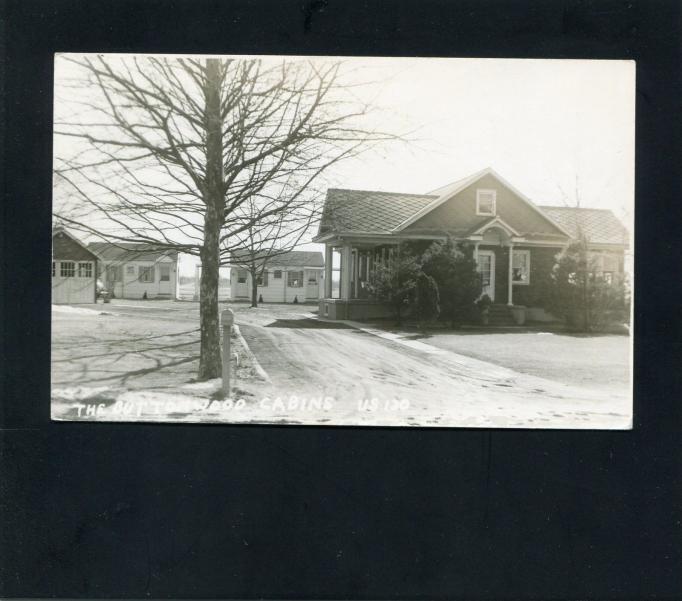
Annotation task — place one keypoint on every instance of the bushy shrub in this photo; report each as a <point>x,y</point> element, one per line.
<point>395,282</point>
<point>582,296</point>
<point>426,304</point>
<point>453,268</point>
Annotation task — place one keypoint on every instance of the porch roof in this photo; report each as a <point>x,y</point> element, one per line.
<point>368,211</point>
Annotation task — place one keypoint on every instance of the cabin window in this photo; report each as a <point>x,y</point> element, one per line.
<point>130,269</point>
<point>146,274</point>
<point>295,279</point>
<point>263,279</point>
<point>278,274</point>
<point>164,273</point>
<point>84,270</point>
<point>54,269</point>
<point>241,276</point>
<point>67,269</point>
<point>312,278</point>
<point>521,267</point>
<point>113,273</point>
<point>485,202</point>
<point>608,277</point>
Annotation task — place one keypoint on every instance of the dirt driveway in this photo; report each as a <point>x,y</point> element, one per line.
<point>316,372</point>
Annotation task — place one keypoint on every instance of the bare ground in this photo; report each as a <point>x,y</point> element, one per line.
<point>321,373</point>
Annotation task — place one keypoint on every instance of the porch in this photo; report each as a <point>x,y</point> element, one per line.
<point>351,262</point>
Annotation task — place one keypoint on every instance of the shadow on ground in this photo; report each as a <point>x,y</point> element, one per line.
<point>308,323</point>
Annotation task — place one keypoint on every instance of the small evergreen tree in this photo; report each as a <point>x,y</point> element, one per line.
<point>395,282</point>
<point>453,268</point>
<point>581,295</point>
<point>427,306</point>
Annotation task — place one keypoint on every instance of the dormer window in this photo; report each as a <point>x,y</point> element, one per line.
<point>485,202</point>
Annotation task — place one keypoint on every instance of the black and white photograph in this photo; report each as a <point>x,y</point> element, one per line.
<point>343,241</point>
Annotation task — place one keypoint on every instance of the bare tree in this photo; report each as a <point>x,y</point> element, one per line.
<point>195,154</point>
<point>256,247</point>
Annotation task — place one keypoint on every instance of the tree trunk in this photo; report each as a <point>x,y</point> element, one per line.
<point>213,196</point>
<point>209,356</point>
<point>254,289</point>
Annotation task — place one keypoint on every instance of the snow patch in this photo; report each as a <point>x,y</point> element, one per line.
<point>80,393</point>
<point>208,385</point>
<point>76,310</point>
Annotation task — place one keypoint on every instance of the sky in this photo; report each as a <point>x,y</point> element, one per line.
<point>560,131</point>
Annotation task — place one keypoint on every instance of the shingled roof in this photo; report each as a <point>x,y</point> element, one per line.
<point>129,251</point>
<point>292,258</point>
<point>600,226</point>
<point>367,211</point>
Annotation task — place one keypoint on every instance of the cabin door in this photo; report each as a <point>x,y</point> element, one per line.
<point>486,268</point>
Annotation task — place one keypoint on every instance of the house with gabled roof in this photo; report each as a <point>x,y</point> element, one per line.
<point>133,270</point>
<point>284,276</point>
<point>513,240</point>
<point>74,269</point>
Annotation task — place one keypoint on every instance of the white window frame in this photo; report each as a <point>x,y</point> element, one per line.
<point>481,191</point>
<point>130,270</point>
<point>242,275</point>
<point>527,253</point>
<point>298,281</point>
<point>83,268</point>
<point>277,275</point>
<point>144,269</point>
<point>67,269</point>
<point>162,267</point>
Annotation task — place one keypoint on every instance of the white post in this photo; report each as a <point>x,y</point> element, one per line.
<point>328,265</point>
<point>476,253</point>
<point>356,272</point>
<point>227,319</point>
<point>346,267</point>
<point>510,301</point>
<point>197,281</point>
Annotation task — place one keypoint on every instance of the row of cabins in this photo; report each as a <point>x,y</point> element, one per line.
<point>138,271</point>
<point>513,240</point>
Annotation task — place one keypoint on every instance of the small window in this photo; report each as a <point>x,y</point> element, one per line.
<point>263,279</point>
<point>146,274</point>
<point>608,277</point>
<point>485,202</point>
<point>164,273</point>
<point>84,270</point>
<point>312,278</point>
<point>295,279</point>
<point>241,276</point>
<point>54,268</point>
<point>278,274</point>
<point>130,269</point>
<point>521,267</point>
<point>68,269</point>
<point>114,273</point>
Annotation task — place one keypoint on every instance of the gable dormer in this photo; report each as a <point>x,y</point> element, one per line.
<point>464,207</point>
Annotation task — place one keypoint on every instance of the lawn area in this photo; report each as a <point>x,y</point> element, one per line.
<point>594,361</point>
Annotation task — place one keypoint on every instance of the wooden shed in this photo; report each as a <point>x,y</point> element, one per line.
<point>74,270</point>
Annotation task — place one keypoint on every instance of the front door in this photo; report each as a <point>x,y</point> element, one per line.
<point>486,267</point>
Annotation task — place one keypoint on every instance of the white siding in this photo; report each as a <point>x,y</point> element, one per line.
<point>277,291</point>
<point>74,289</point>
<point>132,287</point>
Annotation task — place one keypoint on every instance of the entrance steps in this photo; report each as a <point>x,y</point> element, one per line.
<point>500,315</point>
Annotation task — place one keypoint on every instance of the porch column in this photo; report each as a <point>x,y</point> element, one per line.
<point>346,268</point>
<point>328,264</point>
<point>356,272</point>
<point>476,253</point>
<point>510,287</point>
